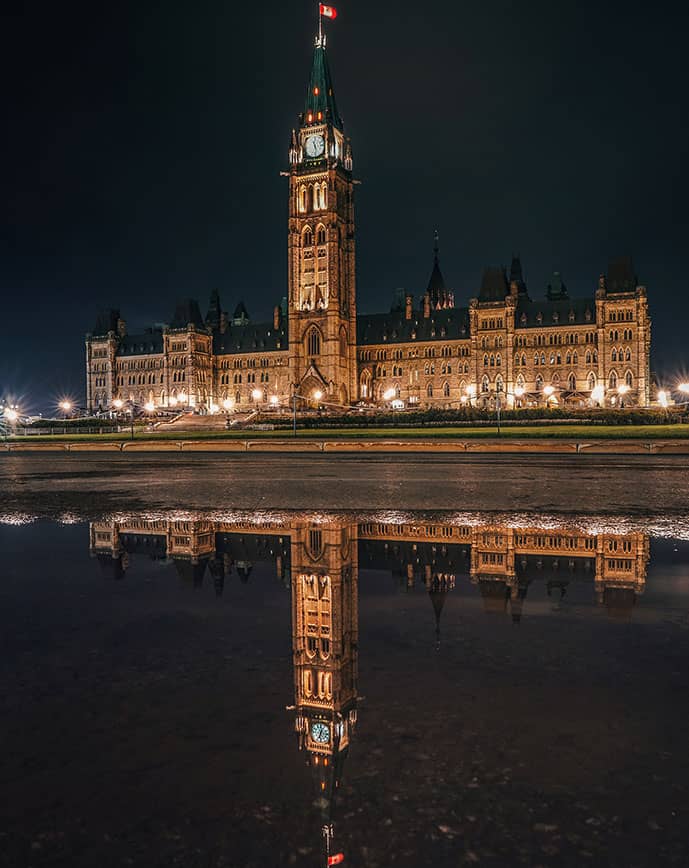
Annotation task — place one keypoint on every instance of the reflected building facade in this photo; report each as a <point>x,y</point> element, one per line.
<point>319,561</point>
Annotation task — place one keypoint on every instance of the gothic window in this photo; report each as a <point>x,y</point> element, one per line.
<point>320,235</point>
<point>315,543</point>
<point>569,358</point>
<point>591,381</point>
<point>499,384</point>
<point>614,354</point>
<point>588,357</point>
<point>429,390</point>
<point>613,380</point>
<point>520,381</point>
<point>628,355</point>
<point>492,361</point>
<point>539,383</point>
<point>446,390</point>
<point>575,358</point>
<point>536,359</point>
<point>307,237</point>
<point>313,342</point>
<point>629,379</point>
<point>485,384</point>
<point>595,357</point>
<point>485,361</point>
<point>302,200</point>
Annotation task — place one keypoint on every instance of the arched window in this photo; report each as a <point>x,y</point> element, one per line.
<point>302,199</point>
<point>520,381</point>
<point>313,343</point>
<point>492,361</point>
<point>485,384</point>
<point>429,390</point>
<point>629,379</point>
<point>588,357</point>
<point>307,237</point>
<point>446,390</point>
<point>613,380</point>
<point>539,383</point>
<point>543,359</point>
<point>614,354</point>
<point>575,358</point>
<point>572,383</point>
<point>320,235</point>
<point>499,384</point>
<point>485,361</point>
<point>498,360</point>
<point>591,381</point>
<point>628,355</point>
<point>324,195</point>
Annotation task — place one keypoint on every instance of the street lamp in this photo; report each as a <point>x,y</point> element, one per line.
<point>173,401</point>
<point>257,395</point>
<point>149,407</point>
<point>274,400</point>
<point>66,407</point>
<point>11,415</point>
<point>118,404</point>
<point>228,403</point>
<point>622,390</point>
<point>663,399</point>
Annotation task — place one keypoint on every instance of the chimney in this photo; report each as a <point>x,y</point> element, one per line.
<point>408,306</point>
<point>223,322</point>
<point>121,327</point>
<point>426,306</point>
<point>602,283</point>
<point>276,317</point>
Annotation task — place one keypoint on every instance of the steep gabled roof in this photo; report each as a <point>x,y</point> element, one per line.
<point>621,275</point>
<point>187,313</point>
<point>494,285</point>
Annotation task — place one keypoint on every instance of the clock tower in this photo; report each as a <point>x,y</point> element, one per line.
<point>321,254</point>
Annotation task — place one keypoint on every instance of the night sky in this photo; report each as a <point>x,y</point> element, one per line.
<point>143,143</point>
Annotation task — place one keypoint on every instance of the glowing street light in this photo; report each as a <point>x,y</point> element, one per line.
<point>598,394</point>
<point>684,387</point>
<point>317,395</point>
<point>274,400</point>
<point>183,397</point>
<point>118,403</point>
<point>228,403</point>
<point>623,389</point>
<point>549,391</point>
<point>149,407</point>
<point>173,401</point>
<point>213,408</point>
<point>471,391</point>
<point>11,415</point>
<point>388,395</point>
<point>66,407</point>
<point>519,392</point>
<point>663,399</point>
<point>257,395</point>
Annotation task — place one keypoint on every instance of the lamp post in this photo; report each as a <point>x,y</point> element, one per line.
<point>622,390</point>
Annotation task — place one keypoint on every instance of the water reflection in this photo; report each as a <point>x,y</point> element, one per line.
<point>319,559</point>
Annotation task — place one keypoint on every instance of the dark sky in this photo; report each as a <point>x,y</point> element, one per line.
<point>143,143</point>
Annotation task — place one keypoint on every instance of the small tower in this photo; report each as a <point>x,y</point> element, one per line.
<point>439,296</point>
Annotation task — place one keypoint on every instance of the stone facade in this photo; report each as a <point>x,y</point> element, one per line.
<point>504,348</point>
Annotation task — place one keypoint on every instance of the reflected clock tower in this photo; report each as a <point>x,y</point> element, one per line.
<point>324,646</point>
<point>321,253</point>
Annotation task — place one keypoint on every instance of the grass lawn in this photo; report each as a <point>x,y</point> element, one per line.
<point>513,432</point>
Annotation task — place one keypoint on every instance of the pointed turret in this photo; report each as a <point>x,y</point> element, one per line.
<point>321,106</point>
<point>437,291</point>
<point>214,314</point>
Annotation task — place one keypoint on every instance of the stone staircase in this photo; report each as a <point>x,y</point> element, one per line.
<point>190,422</point>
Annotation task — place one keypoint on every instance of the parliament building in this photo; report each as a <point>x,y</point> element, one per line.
<point>505,347</point>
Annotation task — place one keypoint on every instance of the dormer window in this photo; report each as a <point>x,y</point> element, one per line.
<point>523,319</point>
<point>587,315</point>
<point>556,317</point>
<point>539,318</point>
<point>572,317</point>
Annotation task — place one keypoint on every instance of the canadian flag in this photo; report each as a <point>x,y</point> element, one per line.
<point>328,11</point>
<point>338,858</point>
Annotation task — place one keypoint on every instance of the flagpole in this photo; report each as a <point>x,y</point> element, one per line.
<point>320,26</point>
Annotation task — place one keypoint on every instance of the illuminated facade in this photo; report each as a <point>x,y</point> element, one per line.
<point>504,346</point>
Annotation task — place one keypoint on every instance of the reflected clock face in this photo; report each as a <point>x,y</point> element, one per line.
<point>315,145</point>
<point>320,732</point>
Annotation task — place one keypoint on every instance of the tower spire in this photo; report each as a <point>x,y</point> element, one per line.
<point>321,106</point>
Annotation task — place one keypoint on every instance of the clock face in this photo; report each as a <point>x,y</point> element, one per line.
<point>320,732</point>
<point>315,146</point>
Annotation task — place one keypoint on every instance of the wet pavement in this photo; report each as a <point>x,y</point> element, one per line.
<point>218,685</point>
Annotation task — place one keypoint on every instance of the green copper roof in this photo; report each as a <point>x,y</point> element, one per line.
<point>321,95</point>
